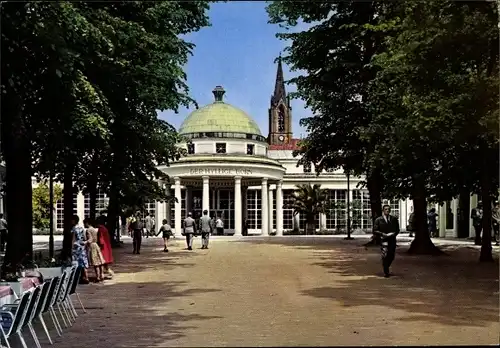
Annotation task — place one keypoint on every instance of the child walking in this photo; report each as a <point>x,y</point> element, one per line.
<point>167,233</point>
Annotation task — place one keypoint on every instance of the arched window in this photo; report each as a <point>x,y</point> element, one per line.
<point>281,119</point>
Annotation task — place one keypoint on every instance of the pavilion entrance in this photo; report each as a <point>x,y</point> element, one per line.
<point>221,205</point>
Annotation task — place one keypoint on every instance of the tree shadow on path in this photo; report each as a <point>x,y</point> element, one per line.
<point>452,290</point>
<point>141,306</point>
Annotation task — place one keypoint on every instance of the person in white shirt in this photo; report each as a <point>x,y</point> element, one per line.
<point>219,225</point>
<point>3,233</point>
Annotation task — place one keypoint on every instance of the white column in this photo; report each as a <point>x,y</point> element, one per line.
<point>80,206</point>
<point>206,194</point>
<point>178,206</point>
<point>279,208</point>
<point>167,204</point>
<point>455,218</point>
<point>270,206</point>
<point>322,222</point>
<point>265,209</point>
<point>238,223</point>
<point>159,213</point>
<point>473,204</point>
<point>442,220</point>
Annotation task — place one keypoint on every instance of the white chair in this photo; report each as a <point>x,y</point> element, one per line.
<point>62,301</point>
<point>12,317</point>
<point>28,317</point>
<point>54,284</point>
<point>44,295</point>
<point>50,307</point>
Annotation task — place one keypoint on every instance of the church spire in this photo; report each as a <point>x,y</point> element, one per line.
<point>279,86</point>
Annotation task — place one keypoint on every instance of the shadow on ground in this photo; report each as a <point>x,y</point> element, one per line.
<point>454,289</point>
<point>136,312</point>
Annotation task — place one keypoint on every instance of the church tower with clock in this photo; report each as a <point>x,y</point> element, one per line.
<point>280,112</point>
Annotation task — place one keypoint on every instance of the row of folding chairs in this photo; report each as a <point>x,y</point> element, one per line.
<point>52,297</point>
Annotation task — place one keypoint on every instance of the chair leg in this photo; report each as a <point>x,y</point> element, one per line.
<point>67,303</point>
<point>55,321</point>
<point>62,316</point>
<point>33,334</point>
<point>45,328</point>
<point>70,301</point>
<point>65,311</point>
<point>81,304</point>
<point>21,338</point>
<point>68,312</point>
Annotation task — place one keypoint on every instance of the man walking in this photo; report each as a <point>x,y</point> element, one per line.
<point>387,227</point>
<point>189,230</point>
<point>137,228</point>
<point>3,233</point>
<point>476,215</point>
<point>205,228</point>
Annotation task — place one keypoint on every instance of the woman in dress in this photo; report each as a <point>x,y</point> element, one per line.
<point>95,255</point>
<point>105,244</point>
<point>79,252</point>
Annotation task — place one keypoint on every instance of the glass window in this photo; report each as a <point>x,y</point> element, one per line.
<point>220,147</point>
<point>101,203</point>
<point>250,149</point>
<point>190,149</point>
<point>254,209</point>
<point>60,211</point>
<point>287,212</point>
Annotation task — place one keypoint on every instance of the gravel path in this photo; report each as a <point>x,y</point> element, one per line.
<point>287,292</point>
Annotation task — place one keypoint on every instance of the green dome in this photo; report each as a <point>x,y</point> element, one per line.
<point>219,117</point>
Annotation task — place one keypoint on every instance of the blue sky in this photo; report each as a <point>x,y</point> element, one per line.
<point>237,52</point>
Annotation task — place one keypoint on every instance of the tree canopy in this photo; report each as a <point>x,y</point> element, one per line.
<point>402,92</point>
<point>82,83</point>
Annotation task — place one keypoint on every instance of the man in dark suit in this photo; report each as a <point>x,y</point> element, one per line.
<point>387,227</point>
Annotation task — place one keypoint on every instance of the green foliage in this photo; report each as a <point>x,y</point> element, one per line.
<point>83,82</point>
<point>309,201</point>
<point>427,103</point>
<point>41,204</point>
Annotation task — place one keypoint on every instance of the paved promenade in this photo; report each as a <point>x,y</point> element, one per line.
<point>287,291</point>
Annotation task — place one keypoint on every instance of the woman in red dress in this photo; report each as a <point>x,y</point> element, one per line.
<point>105,244</point>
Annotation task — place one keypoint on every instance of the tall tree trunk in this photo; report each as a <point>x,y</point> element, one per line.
<point>68,191</point>
<point>422,243</point>
<point>17,155</point>
<point>486,191</point>
<point>113,211</point>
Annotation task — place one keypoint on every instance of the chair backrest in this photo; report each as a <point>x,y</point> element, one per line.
<point>60,287</point>
<point>20,313</point>
<point>44,295</point>
<point>54,283</point>
<point>69,282</point>
<point>76,281</point>
<point>31,306</point>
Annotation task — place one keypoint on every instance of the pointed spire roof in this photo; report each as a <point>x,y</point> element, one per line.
<point>279,86</point>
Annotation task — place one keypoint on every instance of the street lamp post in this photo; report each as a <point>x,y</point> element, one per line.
<point>348,207</point>
<point>51,217</point>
